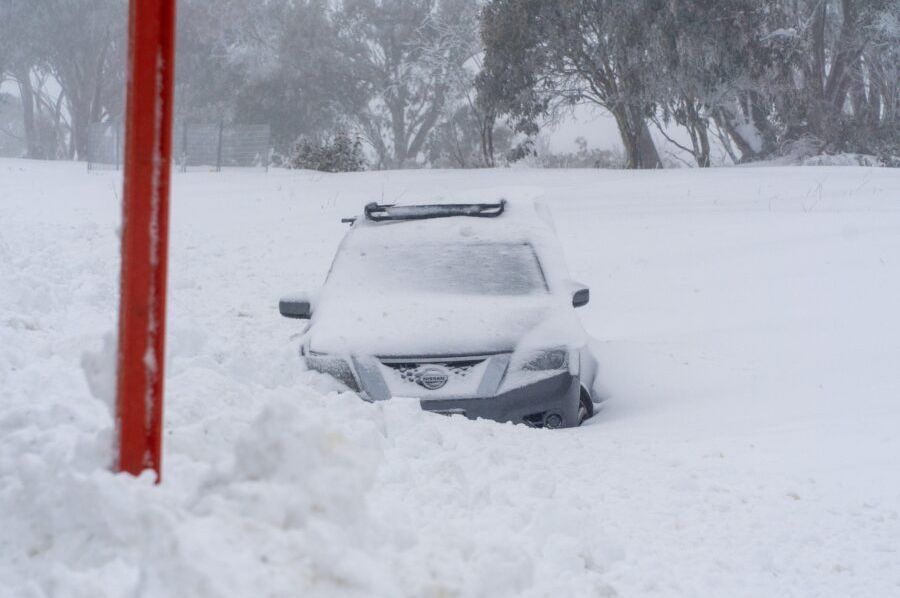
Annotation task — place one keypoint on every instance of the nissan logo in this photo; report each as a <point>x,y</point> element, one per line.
<point>432,378</point>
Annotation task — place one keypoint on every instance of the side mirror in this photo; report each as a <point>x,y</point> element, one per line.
<point>580,295</point>
<point>296,306</point>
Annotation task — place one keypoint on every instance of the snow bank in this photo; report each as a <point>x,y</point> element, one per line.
<point>290,512</point>
<point>845,159</point>
<point>747,329</point>
<point>284,512</point>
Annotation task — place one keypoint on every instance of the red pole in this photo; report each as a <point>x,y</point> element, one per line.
<point>145,224</point>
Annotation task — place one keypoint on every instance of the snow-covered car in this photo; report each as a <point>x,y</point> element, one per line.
<point>467,307</point>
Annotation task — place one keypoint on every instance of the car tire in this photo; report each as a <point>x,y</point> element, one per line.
<point>585,407</point>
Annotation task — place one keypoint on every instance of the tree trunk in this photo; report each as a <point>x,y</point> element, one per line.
<point>428,123</point>
<point>725,139</point>
<point>876,90</point>
<point>726,121</point>
<point>26,95</point>
<point>97,94</point>
<point>816,75</point>
<point>702,156</point>
<point>640,151</point>
<point>398,128</point>
<point>838,83</point>
<point>748,127</point>
<point>80,131</point>
<point>648,155</point>
<point>698,128</point>
<point>628,140</point>
<point>830,76</point>
<point>858,98</point>
<point>487,140</point>
<point>760,117</point>
<point>373,135</point>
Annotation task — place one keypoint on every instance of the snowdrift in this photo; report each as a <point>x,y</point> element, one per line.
<point>747,326</point>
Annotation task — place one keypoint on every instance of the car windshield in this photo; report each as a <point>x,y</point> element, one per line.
<point>456,268</point>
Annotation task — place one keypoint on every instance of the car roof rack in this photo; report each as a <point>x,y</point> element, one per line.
<point>384,212</point>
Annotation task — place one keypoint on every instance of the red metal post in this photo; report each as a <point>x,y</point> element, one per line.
<point>145,222</point>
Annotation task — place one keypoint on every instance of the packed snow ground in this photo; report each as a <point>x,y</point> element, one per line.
<point>747,326</point>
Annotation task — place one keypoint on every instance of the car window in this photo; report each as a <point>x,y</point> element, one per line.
<point>456,268</point>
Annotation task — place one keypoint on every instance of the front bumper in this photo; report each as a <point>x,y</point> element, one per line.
<point>483,387</point>
<point>551,402</point>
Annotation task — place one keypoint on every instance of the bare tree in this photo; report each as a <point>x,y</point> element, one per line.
<point>414,52</point>
<point>20,54</point>
<point>85,46</point>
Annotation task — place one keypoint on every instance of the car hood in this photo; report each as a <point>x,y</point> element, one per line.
<point>432,325</point>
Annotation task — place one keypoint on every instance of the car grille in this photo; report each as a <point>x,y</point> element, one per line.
<point>412,372</point>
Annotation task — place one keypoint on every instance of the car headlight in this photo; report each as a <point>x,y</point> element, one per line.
<point>333,366</point>
<point>550,359</point>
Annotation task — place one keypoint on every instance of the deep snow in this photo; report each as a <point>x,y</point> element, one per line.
<point>748,329</point>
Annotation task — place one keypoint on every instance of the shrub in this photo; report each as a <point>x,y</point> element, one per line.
<point>536,153</point>
<point>338,154</point>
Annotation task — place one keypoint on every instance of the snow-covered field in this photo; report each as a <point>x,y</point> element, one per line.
<point>748,326</point>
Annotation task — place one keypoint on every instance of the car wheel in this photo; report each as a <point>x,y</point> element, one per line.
<point>585,407</point>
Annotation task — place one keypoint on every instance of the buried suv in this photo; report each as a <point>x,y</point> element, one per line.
<point>466,307</point>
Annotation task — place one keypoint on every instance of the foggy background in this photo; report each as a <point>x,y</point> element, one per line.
<point>371,84</point>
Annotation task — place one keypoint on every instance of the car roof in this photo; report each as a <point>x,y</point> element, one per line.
<point>516,222</point>
<point>344,301</point>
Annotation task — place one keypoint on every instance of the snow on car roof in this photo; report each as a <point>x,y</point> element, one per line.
<point>448,285</point>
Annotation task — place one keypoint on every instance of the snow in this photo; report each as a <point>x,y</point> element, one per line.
<point>446,287</point>
<point>749,341</point>
<point>784,33</point>
<point>845,159</point>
